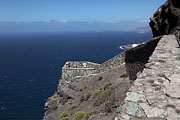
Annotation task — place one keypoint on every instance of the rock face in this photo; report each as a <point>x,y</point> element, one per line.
<point>166,20</point>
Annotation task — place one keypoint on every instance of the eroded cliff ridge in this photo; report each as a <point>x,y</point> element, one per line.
<point>166,20</point>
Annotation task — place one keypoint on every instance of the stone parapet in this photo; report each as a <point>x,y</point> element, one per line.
<point>136,58</point>
<point>111,63</point>
<point>155,93</point>
<point>73,69</point>
<point>79,64</point>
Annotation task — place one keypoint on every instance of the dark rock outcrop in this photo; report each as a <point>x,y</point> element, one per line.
<point>166,20</point>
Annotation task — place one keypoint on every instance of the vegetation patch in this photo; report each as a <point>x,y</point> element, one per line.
<point>87,115</point>
<point>72,107</point>
<point>81,115</point>
<point>96,93</point>
<point>81,89</point>
<point>106,93</point>
<point>106,86</point>
<point>64,115</point>
<point>100,78</point>
<point>87,96</point>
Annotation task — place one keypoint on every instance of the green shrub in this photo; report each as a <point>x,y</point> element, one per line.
<point>96,93</point>
<point>81,89</point>
<point>100,78</point>
<point>87,115</point>
<point>106,93</point>
<point>87,96</point>
<point>107,85</point>
<point>63,115</point>
<point>79,115</point>
<point>72,107</point>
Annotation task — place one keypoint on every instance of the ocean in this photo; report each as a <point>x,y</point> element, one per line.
<point>30,65</point>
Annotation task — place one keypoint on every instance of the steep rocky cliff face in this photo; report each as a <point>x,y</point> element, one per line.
<point>166,20</point>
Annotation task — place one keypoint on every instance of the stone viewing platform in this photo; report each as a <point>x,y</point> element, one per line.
<point>73,69</point>
<point>155,94</point>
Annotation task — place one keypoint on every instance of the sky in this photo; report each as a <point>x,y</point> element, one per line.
<point>58,15</point>
<point>77,10</point>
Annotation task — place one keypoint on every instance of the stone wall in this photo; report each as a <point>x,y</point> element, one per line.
<point>82,68</point>
<point>136,58</point>
<point>111,63</point>
<point>155,94</point>
<point>80,64</point>
<point>73,69</point>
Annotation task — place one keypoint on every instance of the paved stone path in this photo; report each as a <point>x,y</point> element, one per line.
<point>155,94</point>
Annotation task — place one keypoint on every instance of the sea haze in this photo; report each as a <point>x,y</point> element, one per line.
<point>30,65</point>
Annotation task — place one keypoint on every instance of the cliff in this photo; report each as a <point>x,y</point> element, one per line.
<point>140,84</point>
<point>166,20</point>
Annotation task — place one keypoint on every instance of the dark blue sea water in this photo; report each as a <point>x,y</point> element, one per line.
<point>30,65</point>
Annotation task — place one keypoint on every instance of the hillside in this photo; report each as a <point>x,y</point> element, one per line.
<point>96,94</point>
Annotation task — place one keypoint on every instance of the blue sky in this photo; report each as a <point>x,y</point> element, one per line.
<point>75,15</point>
<point>77,10</point>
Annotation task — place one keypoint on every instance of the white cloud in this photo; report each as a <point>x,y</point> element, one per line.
<point>143,20</point>
<point>63,21</point>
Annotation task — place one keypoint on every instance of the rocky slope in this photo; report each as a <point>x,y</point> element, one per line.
<point>166,20</point>
<point>95,96</point>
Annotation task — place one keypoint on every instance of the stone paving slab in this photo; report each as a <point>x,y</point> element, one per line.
<point>155,94</point>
